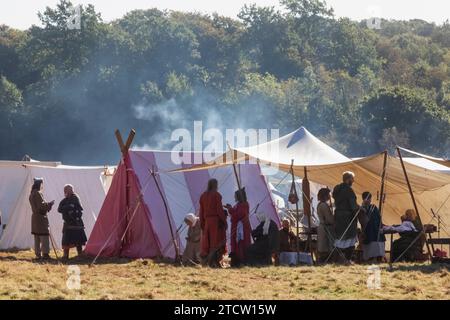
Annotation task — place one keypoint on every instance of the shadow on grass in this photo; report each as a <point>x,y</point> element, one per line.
<point>24,255</point>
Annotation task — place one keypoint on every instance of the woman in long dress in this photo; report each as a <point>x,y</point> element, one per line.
<point>240,228</point>
<point>373,239</point>
<point>325,231</point>
<point>213,222</point>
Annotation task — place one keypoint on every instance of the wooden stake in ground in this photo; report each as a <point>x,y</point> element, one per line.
<point>52,241</point>
<point>413,199</point>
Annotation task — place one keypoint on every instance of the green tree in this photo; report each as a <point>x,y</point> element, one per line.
<point>410,111</point>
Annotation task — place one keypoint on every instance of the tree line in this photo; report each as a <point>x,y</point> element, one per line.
<point>63,91</point>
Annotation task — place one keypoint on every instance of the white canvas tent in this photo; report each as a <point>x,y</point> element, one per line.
<point>325,166</point>
<point>149,228</point>
<point>425,164</point>
<point>440,161</point>
<point>15,184</point>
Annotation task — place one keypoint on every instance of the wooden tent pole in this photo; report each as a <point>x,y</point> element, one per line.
<point>124,148</point>
<point>130,139</point>
<point>383,177</point>
<point>177,252</point>
<point>297,212</point>
<point>233,154</point>
<point>307,209</point>
<point>52,241</point>
<point>381,200</point>
<point>120,141</point>
<point>413,199</point>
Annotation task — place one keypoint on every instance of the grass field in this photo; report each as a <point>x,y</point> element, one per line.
<point>21,278</point>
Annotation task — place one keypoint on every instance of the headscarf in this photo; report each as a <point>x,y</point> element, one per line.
<point>37,182</point>
<point>192,218</point>
<point>263,217</point>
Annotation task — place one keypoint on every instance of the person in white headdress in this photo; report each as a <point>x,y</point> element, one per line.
<point>191,254</point>
<point>266,241</point>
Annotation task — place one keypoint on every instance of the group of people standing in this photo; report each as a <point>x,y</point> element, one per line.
<point>207,233</point>
<point>71,210</point>
<point>338,233</point>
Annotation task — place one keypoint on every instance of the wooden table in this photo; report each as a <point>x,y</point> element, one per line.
<point>443,241</point>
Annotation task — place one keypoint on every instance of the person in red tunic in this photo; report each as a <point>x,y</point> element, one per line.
<point>240,228</point>
<point>213,222</point>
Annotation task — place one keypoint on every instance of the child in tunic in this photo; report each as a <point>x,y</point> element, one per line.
<point>191,254</point>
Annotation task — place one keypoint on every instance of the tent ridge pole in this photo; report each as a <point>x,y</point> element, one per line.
<point>124,148</point>
<point>413,199</point>
<point>177,253</point>
<point>234,157</point>
<point>383,180</point>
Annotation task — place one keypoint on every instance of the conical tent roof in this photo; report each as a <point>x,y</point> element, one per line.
<point>301,146</point>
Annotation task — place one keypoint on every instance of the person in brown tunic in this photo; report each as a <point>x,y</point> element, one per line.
<point>191,254</point>
<point>39,220</point>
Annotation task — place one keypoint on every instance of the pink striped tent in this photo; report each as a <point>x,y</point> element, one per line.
<point>144,230</point>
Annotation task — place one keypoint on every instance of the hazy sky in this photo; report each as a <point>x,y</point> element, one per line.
<point>23,13</point>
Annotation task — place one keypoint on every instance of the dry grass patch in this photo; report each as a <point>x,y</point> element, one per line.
<point>21,278</point>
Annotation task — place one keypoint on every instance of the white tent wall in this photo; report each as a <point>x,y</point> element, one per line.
<point>12,182</point>
<point>12,179</point>
<point>182,191</point>
<point>176,191</point>
<point>88,185</point>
